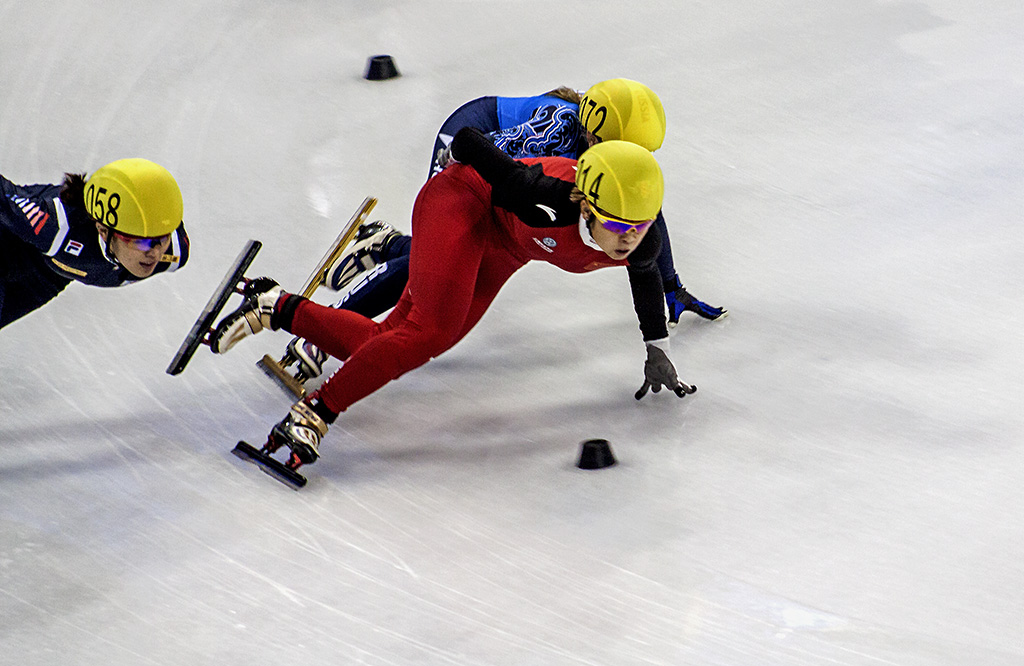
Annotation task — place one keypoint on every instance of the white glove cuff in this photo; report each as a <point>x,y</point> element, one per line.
<point>661,344</point>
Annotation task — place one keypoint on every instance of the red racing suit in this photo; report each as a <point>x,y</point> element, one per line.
<point>473,226</point>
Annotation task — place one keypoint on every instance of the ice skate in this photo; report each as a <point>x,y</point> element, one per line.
<point>365,252</point>
<point>309,357</point>
<point>234,282</point>
<point>250,318</point>
<point>301,431</point>
<point>305,356</point>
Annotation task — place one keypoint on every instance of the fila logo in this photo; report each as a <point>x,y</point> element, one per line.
<point>37,217</point>
<point>547,209</point>
<point>74,248</point>
<point>548,244</point>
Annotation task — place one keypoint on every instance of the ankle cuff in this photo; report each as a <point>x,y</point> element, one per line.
<point>284,311</point>
<point>321,409</point>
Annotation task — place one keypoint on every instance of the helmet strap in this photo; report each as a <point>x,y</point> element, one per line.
<point>585,235</point>
<point>104,239</point>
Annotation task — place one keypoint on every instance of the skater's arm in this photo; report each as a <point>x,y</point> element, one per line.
<point>645,283</point>
<point>646,287</point>
<point>536,199</point>
<point>30,213</point>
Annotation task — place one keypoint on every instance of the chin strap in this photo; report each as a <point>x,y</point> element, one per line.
<point>585,235</point>
<point>108,254</point>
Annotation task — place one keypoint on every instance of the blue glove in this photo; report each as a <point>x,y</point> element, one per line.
<point>680,300</point>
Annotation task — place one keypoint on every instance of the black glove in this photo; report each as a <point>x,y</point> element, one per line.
<point>680,300</point>
<point>659,371</point>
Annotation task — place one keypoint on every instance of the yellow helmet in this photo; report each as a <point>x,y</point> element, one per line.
<point>136,197</point>
<point>624,110</point>
<point>622,179</point>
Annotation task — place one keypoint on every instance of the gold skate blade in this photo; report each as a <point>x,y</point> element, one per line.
<point>278,373</point>
<point>318,277</point>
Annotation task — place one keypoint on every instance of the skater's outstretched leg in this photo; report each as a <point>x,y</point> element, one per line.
<point>377,290</point>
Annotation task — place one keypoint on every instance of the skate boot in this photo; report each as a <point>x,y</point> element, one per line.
<point>250,318</point>
<point>371,240</point>
<point>301,431</point>
<point>309,357</point>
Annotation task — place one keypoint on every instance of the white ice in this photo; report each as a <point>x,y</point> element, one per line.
<point>846,487</point>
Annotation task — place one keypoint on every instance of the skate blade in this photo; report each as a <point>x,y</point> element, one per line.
<point>276,371</point>
<point>271,466</point>
<point>200,332</point>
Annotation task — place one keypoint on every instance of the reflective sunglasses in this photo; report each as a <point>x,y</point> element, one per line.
<point>617,225</point>
<point>140,243</point>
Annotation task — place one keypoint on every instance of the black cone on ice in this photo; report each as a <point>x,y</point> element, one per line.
<point>595,454</point>
<point>380,67</point>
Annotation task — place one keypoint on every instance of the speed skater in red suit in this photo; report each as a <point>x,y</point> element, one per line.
<point>474,225</point>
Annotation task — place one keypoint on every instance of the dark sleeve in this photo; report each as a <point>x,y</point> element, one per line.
<point>645,284</point>
<point>666,265</point>
<point>28,212</point>
<point>536,199</point>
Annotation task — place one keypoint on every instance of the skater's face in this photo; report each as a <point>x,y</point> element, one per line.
<point>139,256</point>
<point>617,238</point>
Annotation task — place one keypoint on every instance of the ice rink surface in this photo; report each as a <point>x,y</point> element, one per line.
<point>846,487</point>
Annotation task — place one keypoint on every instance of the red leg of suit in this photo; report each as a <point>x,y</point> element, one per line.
<point>456,268</point>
